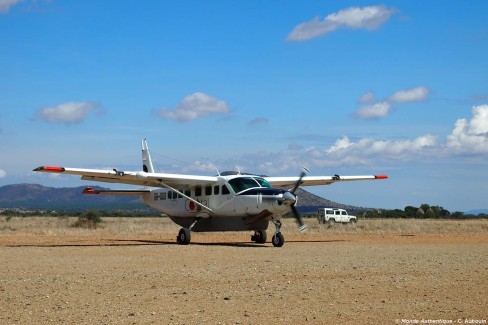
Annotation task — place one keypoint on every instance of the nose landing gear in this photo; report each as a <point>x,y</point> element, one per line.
<point>278,240</point>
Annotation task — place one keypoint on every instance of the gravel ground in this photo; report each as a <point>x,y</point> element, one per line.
<point>223,279</point>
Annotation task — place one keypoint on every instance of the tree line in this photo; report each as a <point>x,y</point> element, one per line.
<point>424,211</point>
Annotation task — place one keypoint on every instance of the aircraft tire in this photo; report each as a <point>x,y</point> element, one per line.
<point>260,237</point>
<point>183,237</point>
<point>278,240</point>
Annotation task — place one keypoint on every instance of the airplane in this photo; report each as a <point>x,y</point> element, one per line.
<point>229,201</point>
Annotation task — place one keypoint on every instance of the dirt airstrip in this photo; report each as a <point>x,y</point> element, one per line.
<point>130,271</point>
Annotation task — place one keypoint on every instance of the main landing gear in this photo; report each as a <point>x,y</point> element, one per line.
<point>184,236</point>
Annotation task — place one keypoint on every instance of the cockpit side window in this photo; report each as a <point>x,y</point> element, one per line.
<point>263,182</point>
<point>240,184</point>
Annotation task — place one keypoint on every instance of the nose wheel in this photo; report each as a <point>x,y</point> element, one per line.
<point>278,240</point>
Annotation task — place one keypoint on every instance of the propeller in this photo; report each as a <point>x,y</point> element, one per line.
<point>302,226</point>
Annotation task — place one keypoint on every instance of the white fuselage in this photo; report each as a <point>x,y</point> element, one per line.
<point>231,196</point>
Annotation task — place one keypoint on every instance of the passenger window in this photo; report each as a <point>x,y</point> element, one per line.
<point>337,212</point>
<point>198,191</point>
<point>179,195</point>
<point>216,190</point>
<point>187,192</point>
<point>225,190</point>
<point>208,190</point>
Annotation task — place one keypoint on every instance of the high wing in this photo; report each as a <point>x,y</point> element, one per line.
<point>140,178</point>
<point>289,182</point>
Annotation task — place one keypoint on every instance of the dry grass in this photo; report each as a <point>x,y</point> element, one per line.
<point>52,226</point>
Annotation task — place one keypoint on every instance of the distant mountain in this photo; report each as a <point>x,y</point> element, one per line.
<point>35,196</point>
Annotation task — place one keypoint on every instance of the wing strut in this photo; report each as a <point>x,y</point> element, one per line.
<point>185,196</point>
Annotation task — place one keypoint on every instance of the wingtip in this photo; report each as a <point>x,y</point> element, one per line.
<point>380,176</point>
<point>50,169</point>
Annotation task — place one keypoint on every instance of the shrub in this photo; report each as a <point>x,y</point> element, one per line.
<point>89,219</point>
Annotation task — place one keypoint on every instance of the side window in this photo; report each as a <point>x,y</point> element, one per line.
<point>198,191</point>
<point>216,190</point>
<point>337,213</point>
<point>208,190</point>
<point>187,192</point>
<point>179,195</point>
<point>225,190</point>
<point>344,213</point>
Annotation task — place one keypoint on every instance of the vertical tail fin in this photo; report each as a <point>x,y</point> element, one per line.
<point>147,165</point>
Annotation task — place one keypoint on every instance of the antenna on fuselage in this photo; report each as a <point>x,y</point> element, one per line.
<point>238,170</point>
<point>218,173</point>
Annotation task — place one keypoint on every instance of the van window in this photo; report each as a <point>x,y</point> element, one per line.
<point>216,190</point>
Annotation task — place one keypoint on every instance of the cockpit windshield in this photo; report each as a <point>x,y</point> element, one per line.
<point>240,184</point>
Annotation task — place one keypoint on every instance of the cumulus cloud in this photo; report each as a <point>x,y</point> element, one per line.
<point>409,95</point>
<point>195,106</point>
<point>470,136</point>
<point>3,174</point>
<point>375,111</point>
<point>67,113</point>
<point>369,18</point>
<point>383,108</point>
<point>367,98</point>
<point>6,4</point>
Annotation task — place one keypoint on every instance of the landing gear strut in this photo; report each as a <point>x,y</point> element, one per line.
<point>259,237</point>
<point>278,240</point>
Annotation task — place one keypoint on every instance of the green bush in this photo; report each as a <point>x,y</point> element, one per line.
<point>90,220</point>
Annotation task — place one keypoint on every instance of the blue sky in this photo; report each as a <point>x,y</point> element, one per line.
<point>347,87</point>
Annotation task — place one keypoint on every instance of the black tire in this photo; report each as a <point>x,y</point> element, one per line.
<point>331,221</point>
<point>262,237</point>
<point>278,240</point>
<point>353,221</point>
<point>184,236</point>
<point>259,237</point>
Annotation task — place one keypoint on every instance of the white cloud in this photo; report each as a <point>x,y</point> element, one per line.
<point>409,95</point>
<point>194,106</point>
<point>67,113</point>
<point>470,136</point>
<point>373,111</point>
<point>3,174</point>
<point>6,4</point>
<point>367,98</point>
<point>383,108</point>
<point>354,17</point>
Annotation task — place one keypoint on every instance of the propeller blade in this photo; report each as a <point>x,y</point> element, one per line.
<point>301,224</point>
<point>299,181</point>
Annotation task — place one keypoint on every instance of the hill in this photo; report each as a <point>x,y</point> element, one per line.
<point>35,196</point>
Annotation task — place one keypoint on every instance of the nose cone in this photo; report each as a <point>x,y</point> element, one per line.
<point>289,198</point>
